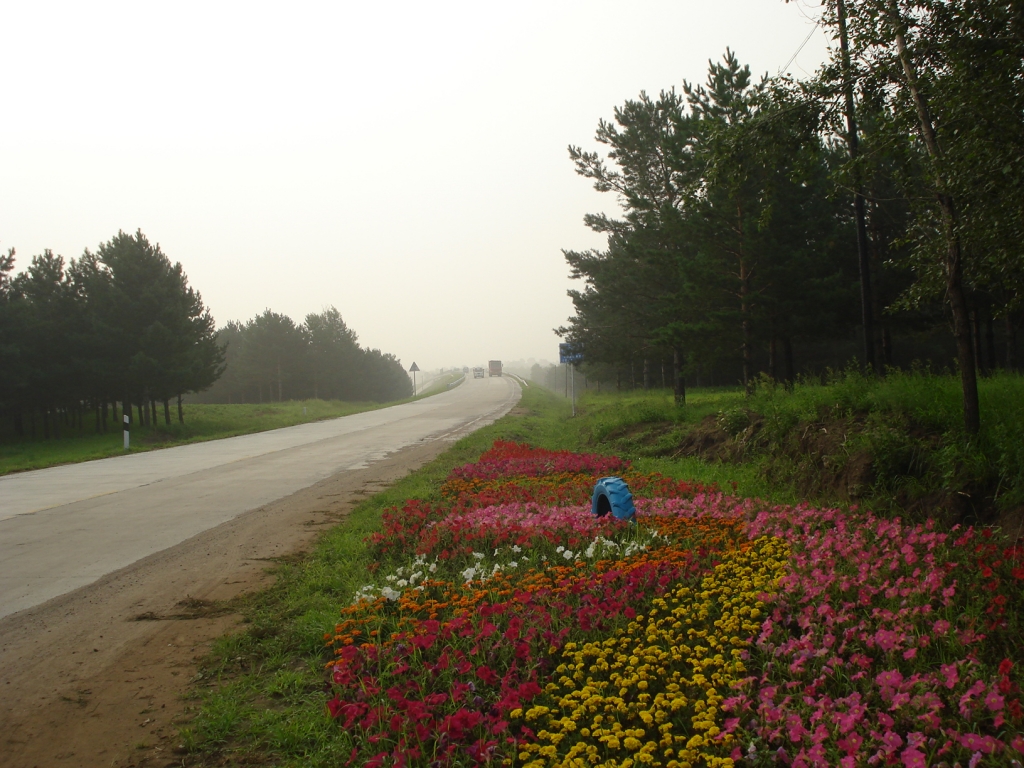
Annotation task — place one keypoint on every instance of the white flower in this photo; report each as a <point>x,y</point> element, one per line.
<point>559,549</point>
<point>433,567</point>
<point>403,583</point>
<point>567,554</point>
<point>469,573</point>
<point>514,564</point>
<point>390,593</point>
<point>392,577</point>
<point>516,548</point>
<point>495,553</point>
<point>478,555</point>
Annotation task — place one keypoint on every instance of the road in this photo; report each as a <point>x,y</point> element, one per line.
<point>66,527</point>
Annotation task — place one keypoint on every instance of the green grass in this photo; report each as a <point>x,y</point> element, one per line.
<point>202,422</point>
<point>907,426</point>
<point>440,384</point>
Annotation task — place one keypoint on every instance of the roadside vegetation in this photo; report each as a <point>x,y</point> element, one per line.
<point>202,422</point>
<point>261,698</point>
<point>441,383</point>
<point>896,445</point>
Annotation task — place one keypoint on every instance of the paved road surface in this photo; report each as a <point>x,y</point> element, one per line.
<point>65,527</point>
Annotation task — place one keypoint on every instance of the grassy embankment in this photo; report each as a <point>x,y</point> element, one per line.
<point>440,383</point>
<point>897,445</point>
<point>202,422</point>
<point>259,699</point>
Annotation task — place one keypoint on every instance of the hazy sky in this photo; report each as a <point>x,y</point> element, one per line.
<point>404,161</point>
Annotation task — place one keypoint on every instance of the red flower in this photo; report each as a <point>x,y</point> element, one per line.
<point>486,674</point>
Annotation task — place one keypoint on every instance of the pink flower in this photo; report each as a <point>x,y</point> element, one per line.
<point>887,639</point>
<point>891,741</point>
<point>913,758</point>
<point>952,675</point>
<point>979,743</point>
<point>1017,742</point>
<point>994,701</point>
<point>851,744</point>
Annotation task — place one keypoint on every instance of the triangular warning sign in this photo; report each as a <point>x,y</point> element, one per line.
<point>414,368</point>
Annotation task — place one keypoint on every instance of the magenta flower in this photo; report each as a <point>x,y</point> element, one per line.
<point>913,758</point>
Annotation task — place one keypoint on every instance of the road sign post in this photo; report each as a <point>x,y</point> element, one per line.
<point>413,370</point>
<point>126,424</point>
<point>570,354</point>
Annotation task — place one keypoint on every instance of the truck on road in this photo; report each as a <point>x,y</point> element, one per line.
<point>494,367</point>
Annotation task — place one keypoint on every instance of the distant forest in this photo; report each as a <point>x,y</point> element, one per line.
<point>122,326</point>
<point>270,358</point>
<point>775,227</point>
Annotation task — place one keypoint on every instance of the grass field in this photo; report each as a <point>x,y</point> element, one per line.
<point>202,422</point>
<point>896,444</point>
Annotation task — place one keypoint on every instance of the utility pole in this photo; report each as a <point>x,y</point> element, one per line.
<point>853,145</point>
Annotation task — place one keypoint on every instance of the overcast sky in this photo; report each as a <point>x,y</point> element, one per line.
<point>405,162</point>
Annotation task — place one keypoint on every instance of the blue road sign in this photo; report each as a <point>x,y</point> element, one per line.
<point>569,353</point>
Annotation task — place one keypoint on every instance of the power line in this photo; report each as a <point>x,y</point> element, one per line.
<point>797,52</point>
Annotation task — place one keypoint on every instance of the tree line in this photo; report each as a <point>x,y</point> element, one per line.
<point>271,358</point>
<point>120,331</point>
<point>766,224</point>
<point>121,325</point>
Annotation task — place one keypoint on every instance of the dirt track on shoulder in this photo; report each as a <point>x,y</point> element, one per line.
<point>96,677</point>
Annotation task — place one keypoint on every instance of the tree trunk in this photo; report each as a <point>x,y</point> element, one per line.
<point>1011,347</point>
<point>181,413</point>
<point>142,419</point>
<point>773,358</point>
<point>747,347</point>
<point>167,412</point>
<point>853,146</point>
<point>954,254</point>
<point>678,382</point>
<point>990,343</point>
<point>979,361</point>
<point>647,374</point>
<point>103,411</point>
<point>787,353</point>
<point>883,338</point>
<point>46,424</point>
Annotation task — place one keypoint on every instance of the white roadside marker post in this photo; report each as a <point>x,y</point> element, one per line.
<point>126,420</point>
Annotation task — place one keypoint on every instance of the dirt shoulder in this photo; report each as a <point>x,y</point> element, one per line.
<point>96,677</point>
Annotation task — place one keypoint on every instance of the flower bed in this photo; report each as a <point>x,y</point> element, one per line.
<point>506,625</point>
